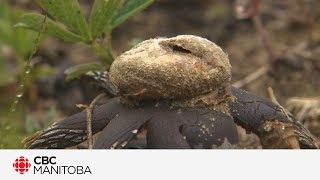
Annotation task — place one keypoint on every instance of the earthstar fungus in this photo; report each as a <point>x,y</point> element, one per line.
<point>178,90</point>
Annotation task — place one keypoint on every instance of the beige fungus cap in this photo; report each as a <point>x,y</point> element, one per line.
<point>177,68</point>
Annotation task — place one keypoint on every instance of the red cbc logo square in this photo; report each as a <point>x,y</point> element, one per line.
<point>21,165</point>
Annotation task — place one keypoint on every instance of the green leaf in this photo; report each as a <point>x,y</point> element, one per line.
<point>78,70</point>
<point>129,9</point>
<point>101,15</point>
<point>33,21</point>
<point>68,12</point>
<point>24,41</point>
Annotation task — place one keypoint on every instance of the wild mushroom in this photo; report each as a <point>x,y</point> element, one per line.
<point>178,89</point>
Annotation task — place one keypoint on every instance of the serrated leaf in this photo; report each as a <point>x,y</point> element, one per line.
<point>68,12</point>
<point>33,21</point>
<point>129,9</point>
<point>101,15</point>
<point>76,71</point>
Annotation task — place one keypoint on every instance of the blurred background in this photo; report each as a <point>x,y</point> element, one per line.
<point>277,46</point>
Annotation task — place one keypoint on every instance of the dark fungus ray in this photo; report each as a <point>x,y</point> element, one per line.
<point>123,127</point>
<point>251,111</point>
<point>73,129</point>
<point>209,129</point>
<point>163,132</point>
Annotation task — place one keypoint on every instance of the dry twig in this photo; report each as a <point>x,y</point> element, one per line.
<point>89,111</point>
<point>286,130</point>
<point>275,101</point>
<point>251,77</point>
<point>252,13</point>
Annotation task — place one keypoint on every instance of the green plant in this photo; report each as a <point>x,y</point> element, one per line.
<point>70,24</point>
<point>19,46</point>
<point>18,40</point>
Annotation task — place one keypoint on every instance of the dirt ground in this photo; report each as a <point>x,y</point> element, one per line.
<point>292,28</point>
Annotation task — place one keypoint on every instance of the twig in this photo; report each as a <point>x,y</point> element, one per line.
<point>251,77</point>
<point>264,37</point>
<point>302,133</point>
<point>274,100</point>
<point>89,119</point>
<point>252,13</point>
<point>291,135</point>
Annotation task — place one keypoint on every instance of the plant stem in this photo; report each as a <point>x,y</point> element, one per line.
<point>109,45</point>
<point>27,69</point>
<point>104,51</point>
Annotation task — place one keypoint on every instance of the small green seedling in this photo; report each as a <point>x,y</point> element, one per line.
<point>70,24</point>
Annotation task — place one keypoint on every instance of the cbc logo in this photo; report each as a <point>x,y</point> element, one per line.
<point>45,160</point>
<point>21,165</point>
